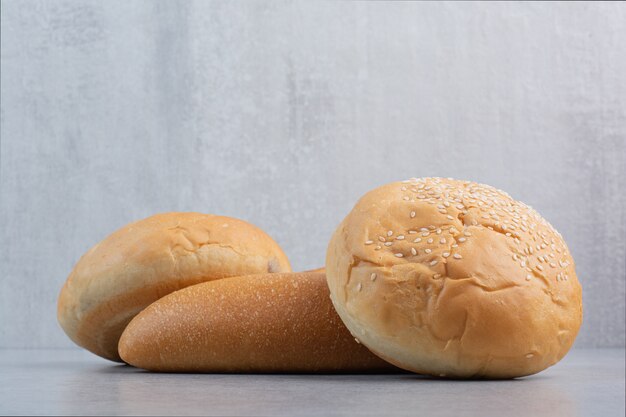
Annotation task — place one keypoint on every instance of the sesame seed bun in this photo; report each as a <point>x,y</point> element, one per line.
<point>456,279</point>
<point>259,323</point>
<point>148,259</point>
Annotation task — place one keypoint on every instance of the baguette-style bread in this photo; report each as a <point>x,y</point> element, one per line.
<point>454,278</point>
<point>263,323</point>
<point>148,259</point>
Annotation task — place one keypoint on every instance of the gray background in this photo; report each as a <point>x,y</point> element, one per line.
<point>284,113</point>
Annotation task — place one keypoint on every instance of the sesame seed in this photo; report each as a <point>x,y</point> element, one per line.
<point>423,229</point>
<point>389,233</point>
<point>437,276</point>
<point>522,264</point>
<point>425,234</point>
<point>412,214</point>
<point>539,267</point>
<point>373,276</point>
<point>412,232</point>
<point>461,239</point>
<point>552,264</point>
<point>528,277</point>
<point>454,245</point>
<point>418,240</point>
<point>530,355</point>
<point>413,251</point>
<point>430,240</point>
<point>378,247</point>
<point>445,254</point>
<point>450,217</point>
<point>427,250</point>
<point>358,286</point>
<point>400,237</point>
<point>369,242</point>
<point>433,263</point>
<point>388,243</point>
<point>457,256</point>
<point>442,240</point>
<point>382,239</point>
<point>399,255</point>
<point>467,233</point>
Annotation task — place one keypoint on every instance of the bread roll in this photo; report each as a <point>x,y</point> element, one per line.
<point>148,259</point>
<point>263,323</point>
<point>456,279</point>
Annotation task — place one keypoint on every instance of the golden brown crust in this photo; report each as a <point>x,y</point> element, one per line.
<point>148,259</point>
<point>454,278</point>
<point>263,323</point>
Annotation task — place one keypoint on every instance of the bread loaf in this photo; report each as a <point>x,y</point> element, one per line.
<point>148,259</point>
<point>454,278</point>
<point>264,323</point>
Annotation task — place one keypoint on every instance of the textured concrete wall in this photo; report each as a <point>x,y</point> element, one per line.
<point>284,113</point>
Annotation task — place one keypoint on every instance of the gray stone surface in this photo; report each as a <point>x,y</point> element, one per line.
<point>68,382</point>
<point>284,113</point>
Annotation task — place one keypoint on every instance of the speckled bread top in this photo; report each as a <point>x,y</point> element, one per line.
<point>148,259</point>
<point>264,323</point>
<point>454,278</point>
